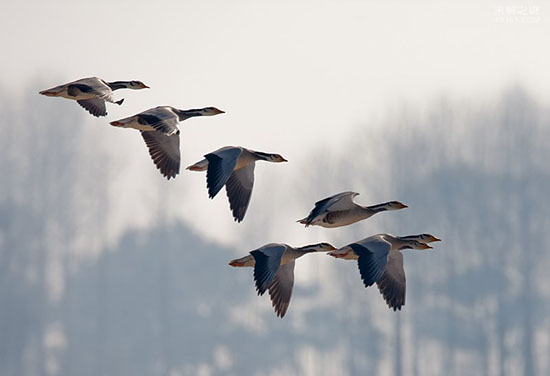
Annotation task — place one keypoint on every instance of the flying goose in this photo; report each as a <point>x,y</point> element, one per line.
<point>340,210</point>
<point>274,270</point>
<point>233,166</point>
<point>92,92</point>
<point>159,129</point>
<point>380,261</point>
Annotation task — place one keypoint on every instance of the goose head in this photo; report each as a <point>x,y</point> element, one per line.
<point>277,158</point>
<point>395,205</point>
<point>414,244</point>
<point>136,85</point>
<point>211,111</point>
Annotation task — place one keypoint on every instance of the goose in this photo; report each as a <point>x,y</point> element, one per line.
<point>92,93</point>
<point>340,210</point>
<point>380,261</point>
<point>274,270</point>
<point>159,129</point>
<point>233,166</point>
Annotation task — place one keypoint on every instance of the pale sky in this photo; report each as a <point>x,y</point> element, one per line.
<point>293,77</point>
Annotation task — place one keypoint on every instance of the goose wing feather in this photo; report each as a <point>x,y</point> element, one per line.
<point>95,106</point>
<point>392,284</point>
<point>280,290</point>
<point>165,151</point>
<point>160,118</point>
<point>239,189</point>
<point>93,85</point>
<point>267,262</point>
<point>221,164</point>
<point>338,202</point>
<point>373,257</point>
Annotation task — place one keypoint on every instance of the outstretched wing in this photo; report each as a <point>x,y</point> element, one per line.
<point>373,256</point>
<point>267,262</point>
<point>392,284</point>
<point>239,189</point>
<point>95,106</point>
<point>340,201</point>
<point>220,167</point>
<point>165,152</point>
<point>280,290</point>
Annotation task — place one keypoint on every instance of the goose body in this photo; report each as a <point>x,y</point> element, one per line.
<point>159,129</point>
<point>380,261</point>
<point>340,210</point>
<point>233,167</point>
<point>92,92</point>
<point>274,270</point>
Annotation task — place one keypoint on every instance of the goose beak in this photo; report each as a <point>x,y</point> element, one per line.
<point>145,86</point>
<point>116,123</point>
<point>47,93</point>
<point>436,239</point>
<point>426,246</point>
<point>284,160</point>
<point>403,206</point>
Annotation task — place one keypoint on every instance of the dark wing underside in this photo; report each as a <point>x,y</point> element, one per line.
<point>95,106</point>
<point>165,152</point>
<point>267,263</point>
<point>392,284</point>
<point>220,168</point>
<point>280,290</point>
<point>239,189</point>
<point>371,264</point>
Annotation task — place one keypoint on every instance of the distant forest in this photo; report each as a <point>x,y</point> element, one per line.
<point>163,301</point>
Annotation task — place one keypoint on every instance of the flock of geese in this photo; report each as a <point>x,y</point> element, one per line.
<point>378,257</point>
